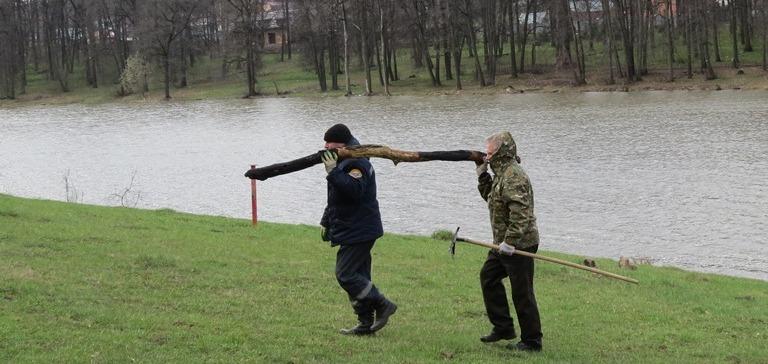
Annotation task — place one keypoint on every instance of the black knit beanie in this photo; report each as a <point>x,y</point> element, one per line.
<point>338,133</point>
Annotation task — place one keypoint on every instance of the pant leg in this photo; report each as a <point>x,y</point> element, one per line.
<point>365,271</point>
<point>353,270</point>
<point>494,294</point>
<point>520,270</point>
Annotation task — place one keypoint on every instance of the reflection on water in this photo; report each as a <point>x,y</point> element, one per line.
<point>681,178</point>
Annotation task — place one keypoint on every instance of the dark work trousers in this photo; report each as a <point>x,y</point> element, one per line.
<point>353,271</point>
<point>519,269</point>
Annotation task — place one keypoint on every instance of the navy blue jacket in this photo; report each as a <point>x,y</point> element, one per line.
<point>352,215</point>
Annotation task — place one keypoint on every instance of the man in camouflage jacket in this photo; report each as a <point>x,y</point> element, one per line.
<point>510,202</point>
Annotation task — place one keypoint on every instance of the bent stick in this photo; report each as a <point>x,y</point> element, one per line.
<point>553,260</point>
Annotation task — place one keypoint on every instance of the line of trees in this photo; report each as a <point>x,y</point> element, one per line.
<point>104,39</point>
<point>117,41</point>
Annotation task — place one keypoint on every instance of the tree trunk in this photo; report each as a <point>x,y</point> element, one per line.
<point>645,19</point>
<point>588,4</point>
<point>437,62</point>
<point>562,33</point>
<point>249,64</point>
<point>580,70</point>
<point>20,67</point>
<point>35,35</point>
<point>670,42</point>
<point>333,59</point>
<point>183,63</point>
<point>422,41</point>
<point>379,64</point>
<point>167,74</point>
<point>365,50</point>
<point>608,29</point>
<point>92,55</point>
<point>283,33</point>
<point>626,16</point>
<point>472,37</point>
<point>709,72</point>
<point>735,62</point>
<point>688,38</point>
<point>287,21</point>
<point>321,69</point>
<point>524,34</point>
<point>455,49</point>
<point>394,64</point>
<point>533,40</point>
<point>764,11</point>
<point>347,84</point>
<point>512,45</point>
<point>447,61</point>
<point>382,32</point>
<point>489,36</point>
<point>715,36</point>
<point>746,24</point>
<point>416,53</point>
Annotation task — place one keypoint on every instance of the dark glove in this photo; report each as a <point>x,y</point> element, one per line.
<point>324,233</point>
<point>251,173</point>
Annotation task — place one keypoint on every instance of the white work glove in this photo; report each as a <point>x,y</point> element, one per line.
<point>483,168</point>
<point>507,249</point>
<point>329,158</point>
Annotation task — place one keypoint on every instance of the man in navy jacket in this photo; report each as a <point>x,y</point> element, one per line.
<point>352,221</point>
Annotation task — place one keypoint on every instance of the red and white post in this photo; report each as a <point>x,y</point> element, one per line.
<point>254,213</point>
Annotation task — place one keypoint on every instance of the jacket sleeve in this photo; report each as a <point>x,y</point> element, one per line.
<point>351,187</point>
<point>324,220</point>
<point>484,183</point>
<point>517,197</point>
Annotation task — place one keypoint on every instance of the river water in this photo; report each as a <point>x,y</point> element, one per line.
<point>679,178</point>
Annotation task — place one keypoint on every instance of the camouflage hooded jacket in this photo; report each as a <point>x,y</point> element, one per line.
<point>510,198</point>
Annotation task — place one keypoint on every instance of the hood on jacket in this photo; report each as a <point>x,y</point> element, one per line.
<point>505,154</point>
<point>353,142</point>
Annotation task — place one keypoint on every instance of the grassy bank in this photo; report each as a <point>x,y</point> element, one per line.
<point>96,284</point>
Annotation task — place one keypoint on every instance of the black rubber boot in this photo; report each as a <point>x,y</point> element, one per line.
<point>495,336</point>
<point>384,308</point>
<point>364,313</point>
<point>523,346</point>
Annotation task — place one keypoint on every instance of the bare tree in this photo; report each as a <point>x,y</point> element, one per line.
<point>562,33</point>
<point>580,70</point>
<point>164,21</point>
<point>529,4</point>
<point>670,40</point>
<point>247,30</point>
<point>764,13</point>
<point>689,37</point>
<point>9,62</point>
<point>348,86</point>
<point>733,9</point>
<point>285,28</point>
<point>703,16</point>
<point>625,17</point>
<point>382,35</point>
<point>608,30</point>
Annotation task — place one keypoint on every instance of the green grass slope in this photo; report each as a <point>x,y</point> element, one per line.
<point>106,285</point>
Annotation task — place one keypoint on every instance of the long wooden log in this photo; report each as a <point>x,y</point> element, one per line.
<point>364,151</point>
